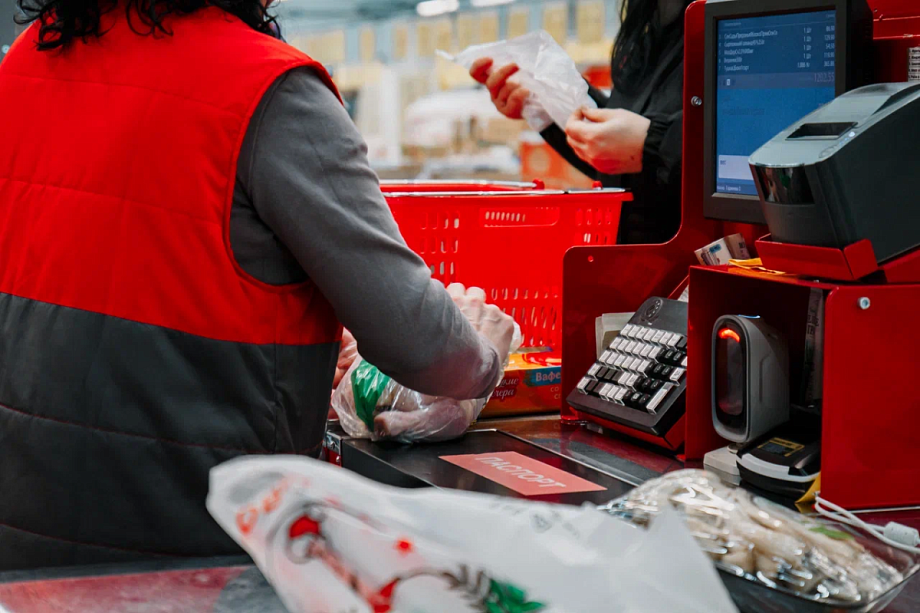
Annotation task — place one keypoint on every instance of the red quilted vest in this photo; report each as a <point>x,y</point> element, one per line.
<point>135,353</point>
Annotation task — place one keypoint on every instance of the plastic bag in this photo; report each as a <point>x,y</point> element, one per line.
<point>372,405</point>
<point>546,70</point>
<point>330,541</point>
<point>751,537</point>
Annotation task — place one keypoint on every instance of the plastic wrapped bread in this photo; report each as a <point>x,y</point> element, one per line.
<point>750,536</point>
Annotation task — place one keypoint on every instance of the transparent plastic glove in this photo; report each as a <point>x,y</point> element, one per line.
<point>556,87</point>
<point>371,405</point>
<point>487,319</point>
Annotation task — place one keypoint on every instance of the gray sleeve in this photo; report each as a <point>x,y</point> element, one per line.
<point>304,165</point>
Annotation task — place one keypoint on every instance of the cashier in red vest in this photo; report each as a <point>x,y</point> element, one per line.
<point>188,214</point>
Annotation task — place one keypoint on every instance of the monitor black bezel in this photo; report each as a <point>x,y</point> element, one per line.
<point>741,208</point>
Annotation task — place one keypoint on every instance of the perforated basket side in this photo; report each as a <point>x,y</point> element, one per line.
<point>511,245</point>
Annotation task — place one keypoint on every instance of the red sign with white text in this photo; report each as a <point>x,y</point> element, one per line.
<point>524,475</point>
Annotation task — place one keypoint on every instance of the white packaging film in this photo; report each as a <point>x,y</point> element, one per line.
<point>370,404</point>
<point>765,543</point>
<point>330,541</point>
<point>556,87</point>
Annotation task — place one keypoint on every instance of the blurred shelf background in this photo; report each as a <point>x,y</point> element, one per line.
<point>424,117</point>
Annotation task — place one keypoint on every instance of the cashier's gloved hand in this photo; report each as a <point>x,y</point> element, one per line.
<point>508,96</point>
<point>491,322</point>
<point>407,416</point>
<point>611,140</point>
<point>416,417</point>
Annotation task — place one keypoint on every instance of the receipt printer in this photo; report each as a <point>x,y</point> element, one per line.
<point>847,172</point>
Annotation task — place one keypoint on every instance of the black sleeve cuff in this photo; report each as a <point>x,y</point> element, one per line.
<point>555,138</point>
<point>663,147</point>
<point>656,132</point>
<point>598,96</point>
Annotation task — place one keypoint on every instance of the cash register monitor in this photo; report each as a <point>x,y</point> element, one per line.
<point>770,63</point>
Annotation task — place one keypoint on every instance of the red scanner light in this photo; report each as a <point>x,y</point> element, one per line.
<point>725,333</point>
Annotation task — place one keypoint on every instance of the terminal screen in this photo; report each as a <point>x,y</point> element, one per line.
<point>772,71</point>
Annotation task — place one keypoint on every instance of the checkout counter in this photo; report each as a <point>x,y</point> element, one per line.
<point>234,585</point>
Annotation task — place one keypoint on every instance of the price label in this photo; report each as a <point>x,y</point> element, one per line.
<point>425,42</point>
<point>334,46</point>
<point>367,45</point>
<point>444,35</point>
<point>518,22</point>
<point>524,475</point>
<point>466,31</point>
<point>313,47</point>
<point>488,27</point>
<point>590,20</point>
<point>400,42</point>
<point>556,22</point>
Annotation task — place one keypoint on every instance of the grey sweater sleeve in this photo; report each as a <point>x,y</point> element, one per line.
<point>304,166</point>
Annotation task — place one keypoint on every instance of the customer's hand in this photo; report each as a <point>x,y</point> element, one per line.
<point>611,140</point>
<point>507,96</point>
<point>487,319</point>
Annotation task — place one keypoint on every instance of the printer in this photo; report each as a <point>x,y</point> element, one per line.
<point>848,171</point>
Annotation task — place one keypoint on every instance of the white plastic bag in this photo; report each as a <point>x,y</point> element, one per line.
<point>330,541</point>
<point>546,70</point>
<point>370,404</point>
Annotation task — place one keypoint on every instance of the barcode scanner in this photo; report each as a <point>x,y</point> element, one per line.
<point>750,378</point>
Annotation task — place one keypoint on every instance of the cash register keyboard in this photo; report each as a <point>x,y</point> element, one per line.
<point>640,379</point>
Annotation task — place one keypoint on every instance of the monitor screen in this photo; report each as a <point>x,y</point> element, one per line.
<point>771,72</point>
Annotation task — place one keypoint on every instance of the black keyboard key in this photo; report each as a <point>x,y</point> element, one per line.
<point>633,400</point>
<point>656,371</point>
<point>602,373</point>
<point>654,385</point>
<point>673,357</point>
<point>643,402</point>
<point>682,343</point>
<point>666,372</point>
<point>593,386</point>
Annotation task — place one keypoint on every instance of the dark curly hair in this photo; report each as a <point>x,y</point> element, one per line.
<point>63,21</point>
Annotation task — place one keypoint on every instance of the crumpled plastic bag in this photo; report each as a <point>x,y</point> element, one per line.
<point>546,70</point>
<point>331,541</point>
<point>370,404</point>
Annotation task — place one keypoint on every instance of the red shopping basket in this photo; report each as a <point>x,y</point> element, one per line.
<point>396,185</point>
<point>509,243</point>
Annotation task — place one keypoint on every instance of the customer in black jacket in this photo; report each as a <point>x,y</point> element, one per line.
<point>634,139</point>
